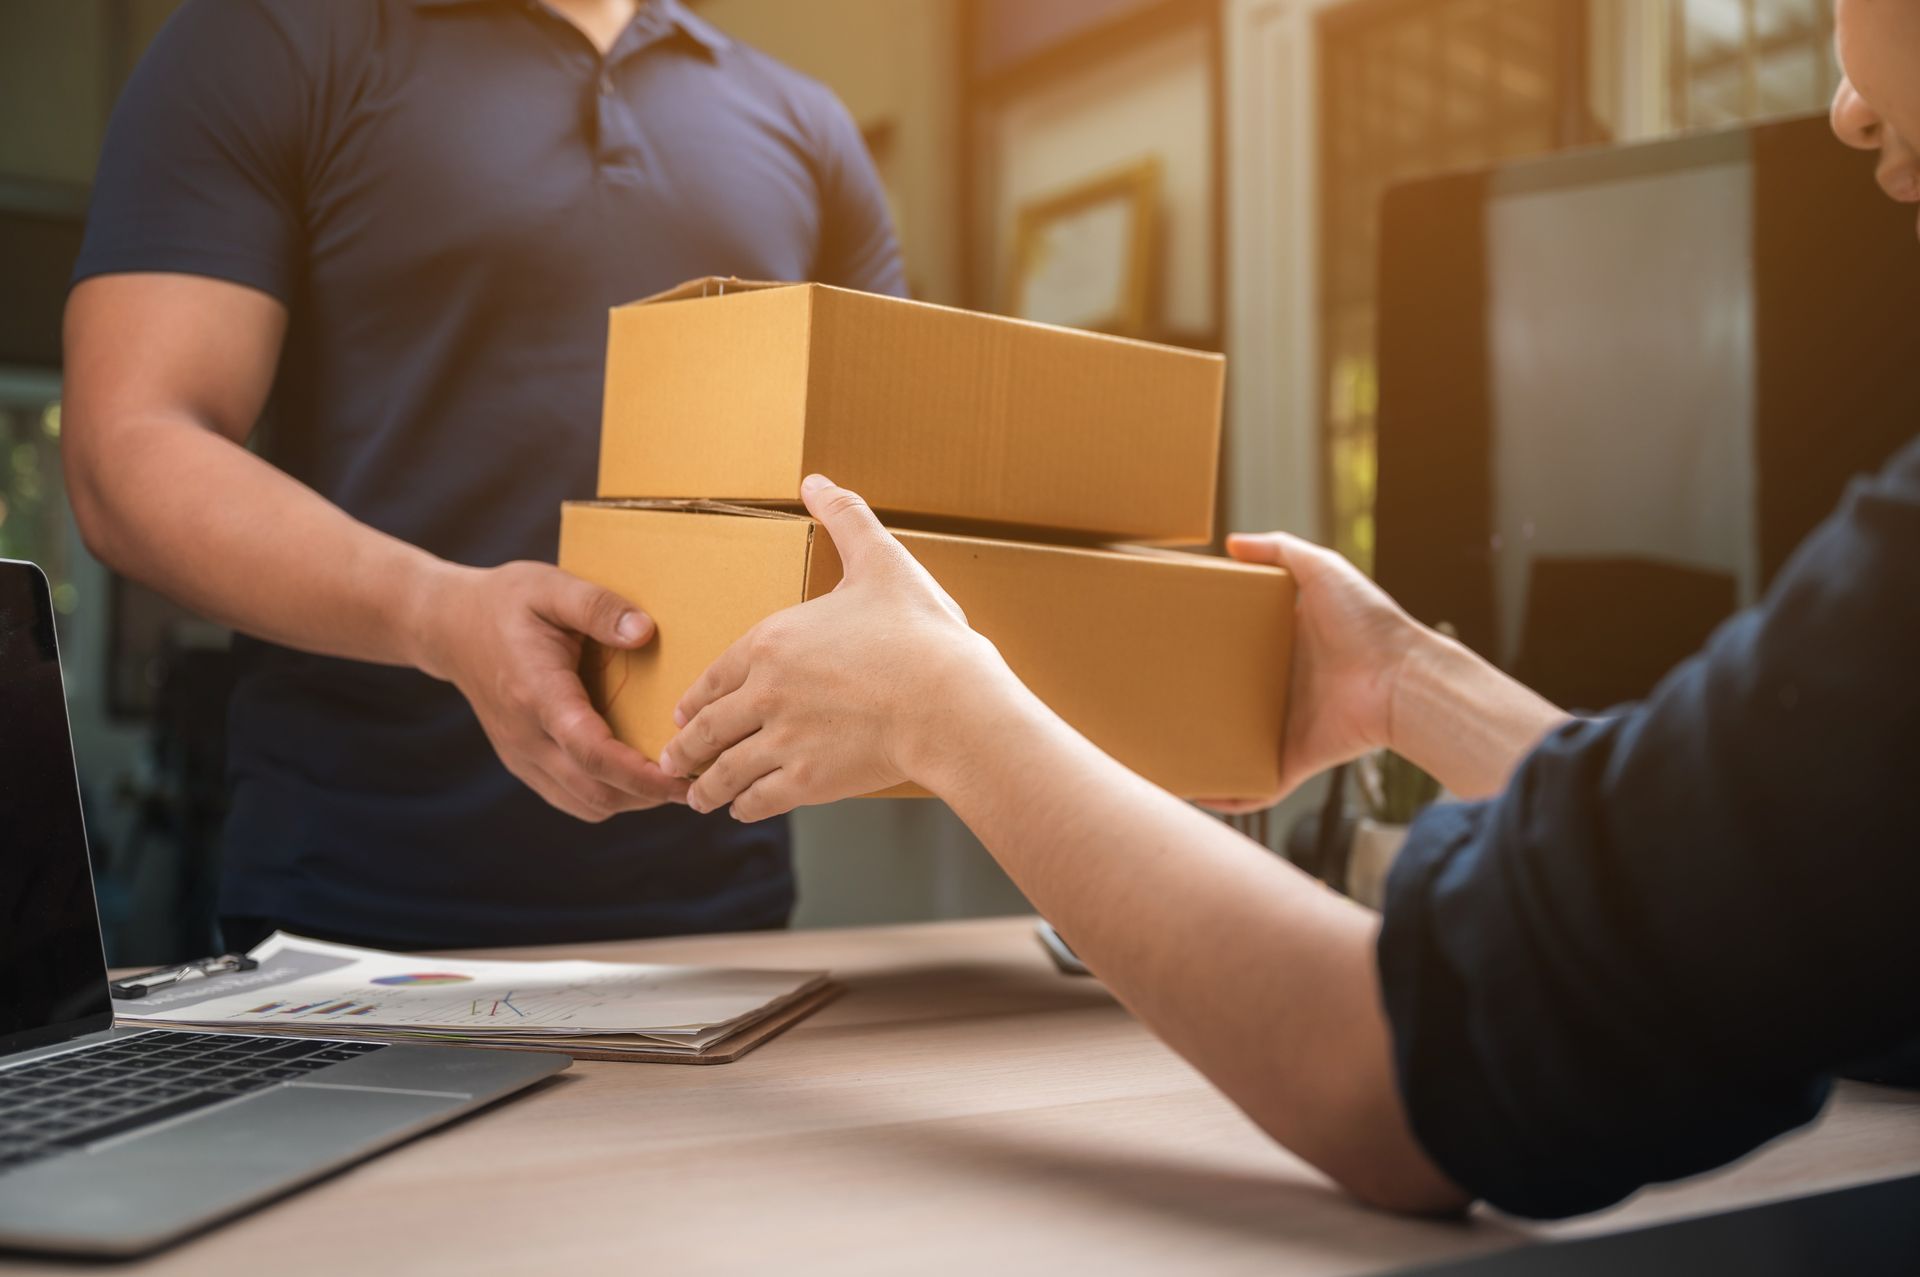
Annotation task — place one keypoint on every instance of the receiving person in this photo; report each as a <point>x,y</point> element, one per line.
<point>1641,951</point>
<point>397,227</point>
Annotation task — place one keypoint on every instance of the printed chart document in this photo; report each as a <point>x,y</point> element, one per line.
<point>316,989</point>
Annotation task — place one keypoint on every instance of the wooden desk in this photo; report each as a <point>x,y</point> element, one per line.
<point>963,1109</point>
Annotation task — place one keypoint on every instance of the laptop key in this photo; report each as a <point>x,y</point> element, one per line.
<point>132,1121</point>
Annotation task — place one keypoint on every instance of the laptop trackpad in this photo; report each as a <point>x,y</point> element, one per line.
<point>133,1194</point>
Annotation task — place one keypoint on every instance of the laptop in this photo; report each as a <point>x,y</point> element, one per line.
<point>118,1141</point>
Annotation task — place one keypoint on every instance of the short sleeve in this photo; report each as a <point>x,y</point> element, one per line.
<point>200,171</point>
<point>1650,954</point>
<point>858,246</point>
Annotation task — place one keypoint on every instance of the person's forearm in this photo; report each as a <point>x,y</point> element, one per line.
<point>203,520</point>
<point>1463,721</point>
<point>1257,975</point>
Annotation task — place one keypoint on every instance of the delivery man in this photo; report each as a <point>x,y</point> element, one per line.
<point>1643,952</point>
<point>394,228</point>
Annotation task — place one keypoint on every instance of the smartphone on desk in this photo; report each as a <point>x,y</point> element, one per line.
<point>1059,950</point>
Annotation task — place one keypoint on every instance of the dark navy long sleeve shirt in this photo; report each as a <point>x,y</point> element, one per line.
<point>447,196</point>
<point>1656,948</point>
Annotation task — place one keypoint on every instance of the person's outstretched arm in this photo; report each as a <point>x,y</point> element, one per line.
<point>165,377</point>
<point>1643,959</point>
<point>196,241</point>
<point>1259,976</point>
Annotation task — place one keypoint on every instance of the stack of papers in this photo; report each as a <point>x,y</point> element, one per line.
<point>314,989</point>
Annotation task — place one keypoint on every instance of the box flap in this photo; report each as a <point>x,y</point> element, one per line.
<point>695,505</point>
<point>711,286</point>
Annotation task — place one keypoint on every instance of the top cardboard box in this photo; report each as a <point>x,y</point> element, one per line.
<point>734,391</point>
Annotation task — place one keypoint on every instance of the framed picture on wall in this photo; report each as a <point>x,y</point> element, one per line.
<point>1084,257</point>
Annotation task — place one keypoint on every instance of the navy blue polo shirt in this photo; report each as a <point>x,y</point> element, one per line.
<point>448,195</point>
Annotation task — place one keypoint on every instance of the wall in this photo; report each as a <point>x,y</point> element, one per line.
<point>53,93</point>
<point>891,62</point>
<point>61,64</point>
<point>1157,101</point>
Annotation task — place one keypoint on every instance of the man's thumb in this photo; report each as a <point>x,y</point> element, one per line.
<point>599,614</point>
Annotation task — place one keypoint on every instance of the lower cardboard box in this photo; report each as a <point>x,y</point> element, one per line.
<point>1175,664</point>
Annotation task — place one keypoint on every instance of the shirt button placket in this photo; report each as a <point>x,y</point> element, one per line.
<point>608,142</point>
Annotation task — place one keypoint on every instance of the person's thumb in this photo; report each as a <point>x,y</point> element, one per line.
<point>598,613</point>
<point>1261,547</point>
<point>852,524</point>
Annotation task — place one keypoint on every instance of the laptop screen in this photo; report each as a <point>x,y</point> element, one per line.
<point>53,979</point>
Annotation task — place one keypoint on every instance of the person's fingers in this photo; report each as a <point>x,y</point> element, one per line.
<point>854,527</point>
<point>722,678</point>
<point>732,773</point>
<point>572,723</point>
<point>1278,548</point>
<point>717,728</point>
<point>585,608</point>
<point>554,793</point>
<point>774,794</point>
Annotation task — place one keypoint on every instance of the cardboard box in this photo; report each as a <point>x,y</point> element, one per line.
<point>1176,664</point>
<point>737,391</point>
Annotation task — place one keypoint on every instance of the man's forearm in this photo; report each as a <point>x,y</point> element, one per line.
<point>1261,978</point>
<point>172,503</point>
<point>1463,721</point>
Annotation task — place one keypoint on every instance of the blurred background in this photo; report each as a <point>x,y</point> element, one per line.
<point>1205,172</point>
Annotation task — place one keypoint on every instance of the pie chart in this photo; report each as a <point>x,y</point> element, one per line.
<point>424,977</point>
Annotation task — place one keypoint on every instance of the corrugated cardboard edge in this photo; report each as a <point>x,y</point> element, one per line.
<point>705,505</point>
<point>692,505</point>
<point>711,286</point>
<point>1087,333</point>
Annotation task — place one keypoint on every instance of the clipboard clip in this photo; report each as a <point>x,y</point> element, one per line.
<point>139,986</point>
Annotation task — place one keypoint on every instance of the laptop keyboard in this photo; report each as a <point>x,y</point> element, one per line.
<point>98,1092</point>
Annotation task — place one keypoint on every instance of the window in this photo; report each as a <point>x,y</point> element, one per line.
<point>33,521</point>
<point>1415,87</point>
<point>1742,60</point>
<point>1411,88</point>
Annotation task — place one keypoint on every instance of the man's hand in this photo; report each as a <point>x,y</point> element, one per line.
<point>1350,646</point>
<point>835,697</point>
<point>510,639</point>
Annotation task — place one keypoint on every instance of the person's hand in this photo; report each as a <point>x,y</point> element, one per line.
<point>1350,643</point>
<point>510,639</point>
<point>837,696</point>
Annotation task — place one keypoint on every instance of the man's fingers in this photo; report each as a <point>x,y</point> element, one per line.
<point>771,795</point>
<point>599,614</point>
<point>722,678</point>
<point>556,795</point>
<point>715,729</point>
<point>855,529</point>
<point>731,773</point>
<point>588,743</point>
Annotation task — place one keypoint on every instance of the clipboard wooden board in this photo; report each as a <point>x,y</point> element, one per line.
<point>724,1052</point>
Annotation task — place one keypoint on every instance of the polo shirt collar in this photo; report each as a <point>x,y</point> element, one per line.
<point>674,12</point>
